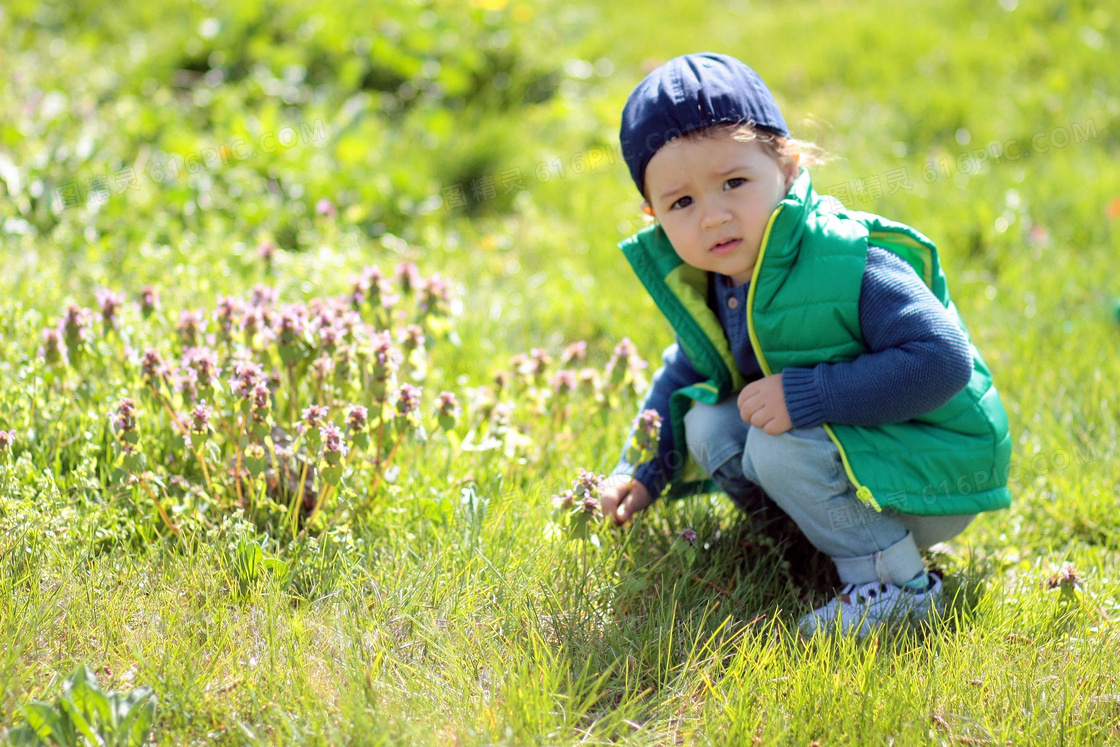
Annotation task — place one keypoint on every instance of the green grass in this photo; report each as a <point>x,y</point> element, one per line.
<point>448,611</point>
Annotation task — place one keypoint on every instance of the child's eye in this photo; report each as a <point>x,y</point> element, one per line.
<point>734,182</point>
<point>682,202</point>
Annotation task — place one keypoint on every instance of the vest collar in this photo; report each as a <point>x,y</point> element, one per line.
<point>788,225</point>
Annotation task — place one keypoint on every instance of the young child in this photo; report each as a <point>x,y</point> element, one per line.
<point>820,364</point>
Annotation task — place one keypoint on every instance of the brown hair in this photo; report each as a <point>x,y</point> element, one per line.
<point>782,149</point>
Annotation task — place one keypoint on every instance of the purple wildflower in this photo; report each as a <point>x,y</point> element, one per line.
<point>267,252</point>
<point>574,353</point>
<point>109,304</point>
<point>333,441</point>
<point>589,382</point>
<point>7,438</point>
<point>326,208</point>
<point>386,358</point>
<point>186,381</point>
<point>688,535</point>
<point>125,418</point>
<point>358,418</point>
<point>226,313</point>
<point>435,297</point>
<point>539,361</point>
<point>563,382</point>
<point>53,350</point>
<point>263,296</point>
<point>412,338</point>
<point>149,300</point>
<point>408,278</point>
<point>260,402</point>
<point>323,367</point>
<point>190,326</point>
<point>290,326</point>
<point>204,361</point>
<point>152,367</point>
<point>448,405</point>
<point>588,484</point>
<point>502,381</point>
<point>314,416</point>
<point>447,410</point>
<point>408,401</point>
<point>246,375</point>
<point>200,418</point>
<point>565,500</point>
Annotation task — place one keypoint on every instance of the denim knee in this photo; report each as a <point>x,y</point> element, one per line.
<point>715,433</point>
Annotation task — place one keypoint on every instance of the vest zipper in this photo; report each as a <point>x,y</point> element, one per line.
<point>862,491</point>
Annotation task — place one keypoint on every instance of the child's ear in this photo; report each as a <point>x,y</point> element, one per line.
<point>791,168</point>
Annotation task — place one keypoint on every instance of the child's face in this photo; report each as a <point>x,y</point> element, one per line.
<point>714,197</point>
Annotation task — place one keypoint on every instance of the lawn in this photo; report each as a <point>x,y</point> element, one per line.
<point>308,311</point>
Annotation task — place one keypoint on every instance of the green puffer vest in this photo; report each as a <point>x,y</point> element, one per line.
<point>802,310</point>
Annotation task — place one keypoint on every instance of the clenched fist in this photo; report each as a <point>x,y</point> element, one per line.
<point>762,403</point>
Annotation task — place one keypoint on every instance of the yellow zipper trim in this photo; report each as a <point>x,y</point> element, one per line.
<point>862,491</point>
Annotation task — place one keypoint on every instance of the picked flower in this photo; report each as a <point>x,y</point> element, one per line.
<point>645,438</point>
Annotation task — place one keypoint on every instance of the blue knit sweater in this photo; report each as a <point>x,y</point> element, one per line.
<point>919,359</point>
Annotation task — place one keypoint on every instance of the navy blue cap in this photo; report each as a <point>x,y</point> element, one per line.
<point>686,94</point>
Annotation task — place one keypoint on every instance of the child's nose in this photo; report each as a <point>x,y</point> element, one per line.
<point>715,216</point>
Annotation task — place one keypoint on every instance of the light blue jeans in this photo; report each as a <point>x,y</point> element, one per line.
<point>802,473</point>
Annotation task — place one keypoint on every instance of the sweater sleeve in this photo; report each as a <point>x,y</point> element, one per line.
<point>919,356</point>
<point>675,373</point>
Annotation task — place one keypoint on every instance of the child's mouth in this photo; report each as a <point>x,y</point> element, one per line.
<point>726,246</point>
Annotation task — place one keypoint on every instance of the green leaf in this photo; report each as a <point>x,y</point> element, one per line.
<point>23,736</point>
<point>142,726</point>
<point>93,704</point>
<point>80,722</point>
<point>42,718</point>
<point>138,708</point>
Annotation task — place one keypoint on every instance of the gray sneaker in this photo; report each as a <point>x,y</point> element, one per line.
<point>860,608</point>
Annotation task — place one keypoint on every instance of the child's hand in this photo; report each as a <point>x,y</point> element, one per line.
<point>622,500</point>
<point>762,403</point>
